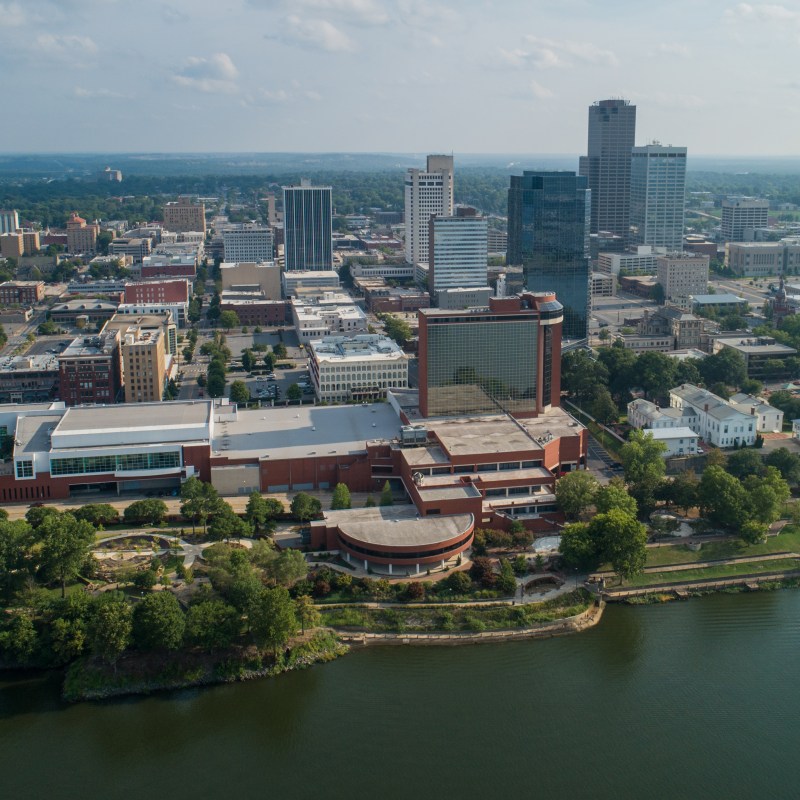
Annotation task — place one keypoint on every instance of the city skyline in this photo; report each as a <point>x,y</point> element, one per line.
<point>272,71</point>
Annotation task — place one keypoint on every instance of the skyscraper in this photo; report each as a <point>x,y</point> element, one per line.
<point>741,216</point>
<point>607,165</point>
<point>185,216</point>
<point>9,221</point>
<point>658,191</point>
<point>548,236</point>
<point>426,194</point>
<point>308,226</point>
<point>503,358</point>
<point>457,251</point>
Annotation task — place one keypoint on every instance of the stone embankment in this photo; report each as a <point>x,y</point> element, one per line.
<point>559,627</point>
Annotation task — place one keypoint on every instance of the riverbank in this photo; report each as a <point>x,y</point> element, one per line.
<point>143,674</point>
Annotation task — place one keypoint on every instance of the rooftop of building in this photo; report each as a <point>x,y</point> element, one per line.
<point>673,433</point>
<point>33,433</point>
<point>398,526</point>
<point>21,284</point>
<point>96,345</point>
<point>35,363</point>
<point>132,416</point>
<point>340,349</point>
<point>710,403</point>
<point>716,299</point>
<point>300,431</point>
<point>84,305</point>
<point>756,345</point>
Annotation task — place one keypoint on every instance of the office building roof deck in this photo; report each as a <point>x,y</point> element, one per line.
<point>300,431</point>
<point>129,417</point>
<point>398,526</point>
<point>340,349</point>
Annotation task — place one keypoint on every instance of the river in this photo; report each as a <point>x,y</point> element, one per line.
<point>696,699</point>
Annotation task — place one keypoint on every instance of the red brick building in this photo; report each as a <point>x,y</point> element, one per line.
<point>157,291</point>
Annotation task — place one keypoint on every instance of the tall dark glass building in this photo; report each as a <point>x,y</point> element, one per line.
<point>548,236</point>
<point>308,227</point>
<point>607,164</point>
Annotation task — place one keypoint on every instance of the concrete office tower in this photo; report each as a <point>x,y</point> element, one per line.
<point>658,192</point>
<point>506,357</point>
<point>9,221</point>
<point>741,216</point>
<point>682,275</point>
<point>184,215</point>
<point>308,227</point>
<point>457,251</point>
<point>144,365</point>
<point>81,236</point>
<point>548,236</point>
<point>427,194</point>
<point>248,242</point>
<point>607,165</point>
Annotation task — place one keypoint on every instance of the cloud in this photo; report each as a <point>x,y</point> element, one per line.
<point>11,15</point>
<point>367,12</point>
<point>546,53</point>
<point>422,13</point>
<point>318,33</point>
<point>674,49</point>
<point>103,93</point>
<point>542,92</point>
<point>216,74</point>
<point>763,12</point>
<point>67,48</point>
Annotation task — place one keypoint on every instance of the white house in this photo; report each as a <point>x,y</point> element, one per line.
<point>768,418</point>
<point>679,441</point>
<point>717,421</point>
<point>644,414</point>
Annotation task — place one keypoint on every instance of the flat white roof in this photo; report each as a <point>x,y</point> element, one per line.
<point>301,431</point>
<point>673,433</point>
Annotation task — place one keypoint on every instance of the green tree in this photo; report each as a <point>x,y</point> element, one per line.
<point>98,514</point>
<point>396,328</point>
<point>35,515</point>
<point>212,625</point>
<point>727,366</point>
<point>581,374</point>
<point>68,639</point>
<point>239,393</point>
<point>279,351</point>
<point>369,502</point>
<point>624,541</point>
<point>643,462</point>
<point>228,320</point>
<point>287,567</point>
<point>248,360</point>
<point>158,622</point>
<point>306,612</point>
<point>787,463</point>
<point>272,619</point>
<point>305,507</point>
<point>619,364</point>
<point>16,564</point>
<point>742,463</point>
<point>656,373</point>
<point>603,407</point>
<point>294,393</point>
<point>766,495</point>
<point>341,497</point>
<point>686,371</point>
<point>387,497</point>
<point>227,524</point>
<point>18,638</point>
<point>722,498</point>
<point>506,581</point>
<point>110,627</point>
<point>65,543</point>
<point>575,492</point>
<point>615,495</point>
<point>150,512</point>
<point>269,361</point>
<point>681,491</point>
<point>753,531</point>
<point>578,547</point>
<point>261,513</point>
<point>199,500</point>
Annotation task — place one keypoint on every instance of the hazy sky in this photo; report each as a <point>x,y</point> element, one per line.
<point>395,75</point>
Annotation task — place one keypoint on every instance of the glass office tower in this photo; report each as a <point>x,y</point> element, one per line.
<point>308,227</point>
<point>548,236</point>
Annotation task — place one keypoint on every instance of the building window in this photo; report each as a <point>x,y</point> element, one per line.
<point>24,469</point>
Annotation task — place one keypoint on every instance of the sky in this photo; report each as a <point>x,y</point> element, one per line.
<point>474,76</point>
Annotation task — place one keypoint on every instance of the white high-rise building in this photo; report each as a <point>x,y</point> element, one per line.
<point>9,221</point>
<point>427,193</point>
<point>247,242</point>
<point>741,216</point>
<point>457,251</point>
<point>658,190</point>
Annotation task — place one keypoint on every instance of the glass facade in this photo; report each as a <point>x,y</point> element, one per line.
<point>481,365</point>
<point>308,227</point>
<point>548,235</point>
<point>126,462</point>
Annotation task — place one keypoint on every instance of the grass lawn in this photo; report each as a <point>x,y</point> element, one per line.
<point>724,571</point>
<point>788,542</point>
